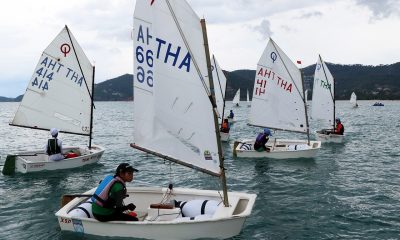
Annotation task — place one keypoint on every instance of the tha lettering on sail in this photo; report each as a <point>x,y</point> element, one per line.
<point>264,74</point>
<point>165,52</point>
<point>325,84</point>
<point>45,73</point>
<point>50,68</point>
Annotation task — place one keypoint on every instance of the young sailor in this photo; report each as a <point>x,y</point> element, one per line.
<point>108,198</point>
<point>261,140</point>
<point>54,146</point>
<point>339,127</point>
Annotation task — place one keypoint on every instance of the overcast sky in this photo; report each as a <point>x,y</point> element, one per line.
<point>342,31</point>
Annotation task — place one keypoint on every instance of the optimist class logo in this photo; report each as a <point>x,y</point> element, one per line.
<point>65,48</point>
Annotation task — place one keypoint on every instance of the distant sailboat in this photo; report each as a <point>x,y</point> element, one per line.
<point>175,120</point>
<point>278,103</point>
<point>59,95</point>
<point>248,99</point>
<point>353,100</point>
<point>306,96</point>
<point>323,107</point>
<point>236,99</point>
<point>220,87</point>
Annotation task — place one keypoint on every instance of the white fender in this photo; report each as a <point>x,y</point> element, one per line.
<point>193,208</point>
<point>82,211</point>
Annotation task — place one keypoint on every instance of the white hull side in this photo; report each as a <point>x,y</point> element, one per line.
<point>38,161</point>
<point>224,137</point>
<point>280,149</point>
<point>225,223</point>
<point>331,138</point>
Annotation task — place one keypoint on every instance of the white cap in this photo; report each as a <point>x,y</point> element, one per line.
<point>53,132</point>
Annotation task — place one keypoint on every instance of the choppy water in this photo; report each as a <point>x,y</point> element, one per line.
<point>349,191</point>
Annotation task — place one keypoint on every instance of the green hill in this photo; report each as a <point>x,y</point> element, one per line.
<point>368,82</point>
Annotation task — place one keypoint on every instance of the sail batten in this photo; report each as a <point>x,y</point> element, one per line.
<point>58,94</point>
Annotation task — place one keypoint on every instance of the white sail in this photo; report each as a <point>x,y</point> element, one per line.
<point>306,95</point>
<point>353,99</point>
<point>59,92</point>
<point>323,94</point>
<point>248,99</point>
<point>173,113</point>
<point>219,80</point>
<point>278,92</point>
<point>236,98</point>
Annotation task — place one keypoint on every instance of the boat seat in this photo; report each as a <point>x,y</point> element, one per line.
<point>162,212</point>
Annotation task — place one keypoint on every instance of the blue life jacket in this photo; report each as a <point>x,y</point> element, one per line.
<point>101,195</point>
<point>261,138</point>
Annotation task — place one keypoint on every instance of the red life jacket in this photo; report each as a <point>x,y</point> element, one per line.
<point>339,129</point>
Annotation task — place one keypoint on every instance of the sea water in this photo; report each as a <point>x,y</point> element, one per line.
<point>349,191</point>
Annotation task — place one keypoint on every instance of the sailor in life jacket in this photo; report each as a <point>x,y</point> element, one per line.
<point>339,127</point>
<point>108,204</point>
<point>54,146</point>
<point>231,114</point>
<point>225,126</point>
<point>261,140</point>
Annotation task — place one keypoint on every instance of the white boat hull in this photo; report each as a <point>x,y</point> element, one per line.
<point>225,222</point>
<point>232,120</point>
<point>329,138</point>
<point>279,149</point>
<point>35,161</point>
<point>224,137</point>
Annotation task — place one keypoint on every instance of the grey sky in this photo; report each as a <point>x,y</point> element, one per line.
<point>342,31</point>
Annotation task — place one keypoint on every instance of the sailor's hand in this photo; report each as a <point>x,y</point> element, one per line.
<point>131,206</point>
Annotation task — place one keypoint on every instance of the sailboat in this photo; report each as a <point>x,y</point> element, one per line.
<point>236,98</point>
<point>306,96</point>
<point>353,100</point>
<point>219,80</point>
<point>248,99</point>
<point>278,103</point>
<point>175,119</point>
<point>59,94</point>
<point>323,107</point>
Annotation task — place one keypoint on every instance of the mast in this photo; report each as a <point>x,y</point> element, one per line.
<point>91,111</point>
<point>220,87</point>
<point>305,107</point>
<point>77,59</point>
<point>212,99</point>
<point>87,88</point>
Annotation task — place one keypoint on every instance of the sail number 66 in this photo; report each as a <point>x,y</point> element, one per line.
<point>143,75</point>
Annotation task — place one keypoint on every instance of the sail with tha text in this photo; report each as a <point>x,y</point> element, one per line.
<point>323,106</point>
<point>278,97</point>
<point>173,112</point>
<point>59,93</point>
